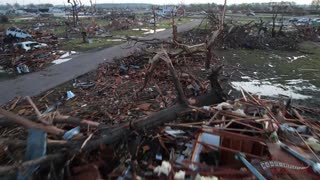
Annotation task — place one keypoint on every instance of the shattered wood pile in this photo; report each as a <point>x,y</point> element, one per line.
<point>122,24</point>
<point>152,116</point>
<point>255,34</point>
<point>115,93</point>
<point>20,62</point>
<point>238,36</point>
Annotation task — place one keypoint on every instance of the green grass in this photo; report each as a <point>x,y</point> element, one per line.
<point>162,24</point>
<point>166,23</point>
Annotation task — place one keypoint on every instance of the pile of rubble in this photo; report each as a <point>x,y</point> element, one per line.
<point>156,116</point>
<point>239,36</point>
<point>23,52</point>
<point>115,93</point>
<point>123,24</point>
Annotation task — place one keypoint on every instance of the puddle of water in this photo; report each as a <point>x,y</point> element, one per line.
<point>152,31</point>
<point>266,88</point>
<point>295,81</point>
<point>59,61</point>
<point>275,56</point>
<point>293,58</point>
<point>270,65</point>
<point>115,40</point>
<point>67,54</point>
<point>25,18</point>
<point>142,29</point>
<point>245,77</point>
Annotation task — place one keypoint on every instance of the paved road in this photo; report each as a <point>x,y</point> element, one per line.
<point>38,82</point>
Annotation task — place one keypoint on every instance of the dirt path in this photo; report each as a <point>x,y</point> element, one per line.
<point>38,82</point>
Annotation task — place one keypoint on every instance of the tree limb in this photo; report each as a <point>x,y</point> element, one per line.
<point>21,166</point>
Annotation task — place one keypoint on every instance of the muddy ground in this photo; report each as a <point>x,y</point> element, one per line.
<point>271,72</point>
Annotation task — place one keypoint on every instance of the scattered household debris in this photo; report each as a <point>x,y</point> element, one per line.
<point>140,127</point>
<point>157,113</point>
<point>24,52</point>
<point>268,139</point>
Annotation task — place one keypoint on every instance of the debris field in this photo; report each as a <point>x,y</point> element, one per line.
<point>163,112</point>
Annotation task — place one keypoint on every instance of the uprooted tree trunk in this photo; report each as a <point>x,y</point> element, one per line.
<point>209,47</point>
<point>84,35</point>
<point>163,55</point>
<point>215,34</point>
<point>174,29</point>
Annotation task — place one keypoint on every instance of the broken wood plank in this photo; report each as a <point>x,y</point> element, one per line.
<point>29,124</point>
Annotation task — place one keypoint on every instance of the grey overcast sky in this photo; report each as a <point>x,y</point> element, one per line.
<point>150,1</point>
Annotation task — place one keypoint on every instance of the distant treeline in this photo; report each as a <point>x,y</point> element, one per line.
<point>287,6</point>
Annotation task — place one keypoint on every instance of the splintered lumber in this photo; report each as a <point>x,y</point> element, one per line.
<point>152,121</point>
<point>229,149</point>
<point>29,124</point>
<point>58,119</point>
<point>22,143</point>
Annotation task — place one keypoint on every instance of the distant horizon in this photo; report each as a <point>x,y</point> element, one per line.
<point>155,2</point>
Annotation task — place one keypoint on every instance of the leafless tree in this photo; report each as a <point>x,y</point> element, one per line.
<point>278,8</point>
<point>215,33</point>
<point>275,11</point>
<point>174,28</point>
<point>76,5</point>
<point>154,19</point>
<point>73,6</point>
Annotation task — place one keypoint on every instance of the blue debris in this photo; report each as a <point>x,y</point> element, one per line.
<point>159,157</point>
<point>241,157</point>
<point>125,174</point>
<point>135,67</point>
<point>180,159</point>
<point>123,68</point>
<point>36,148</point>
<point>53,107</point>
<point>70,95</point>
<point>72,132</point>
